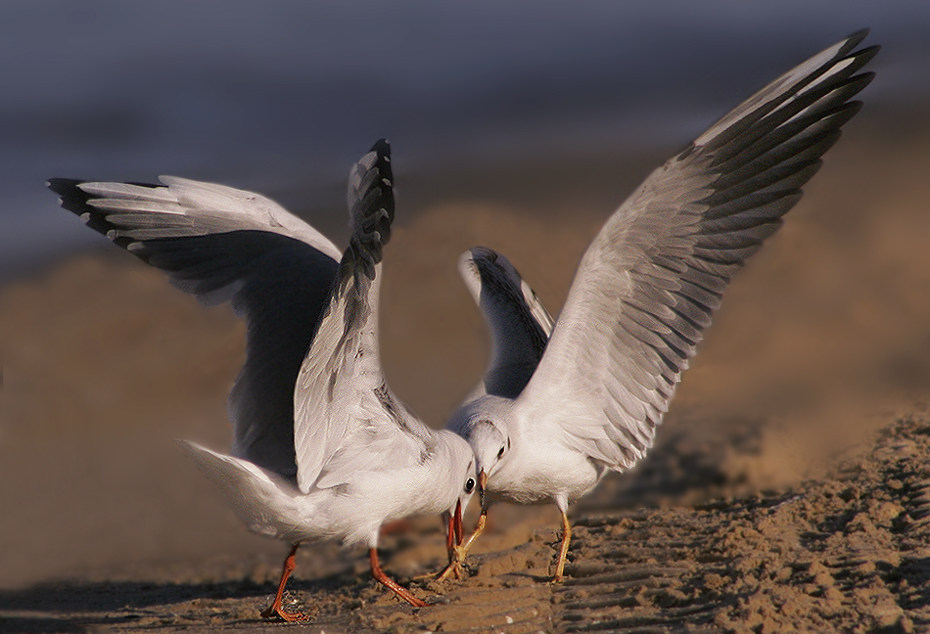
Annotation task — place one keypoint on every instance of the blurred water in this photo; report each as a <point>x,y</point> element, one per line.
<point>281,97</point>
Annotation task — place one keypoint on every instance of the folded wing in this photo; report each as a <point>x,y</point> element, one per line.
<point>648,284</point>
<point>224,244</point>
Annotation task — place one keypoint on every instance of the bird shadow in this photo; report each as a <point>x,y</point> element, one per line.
<point>685,467</point>
<point>65,606</point>
<point>108,596</point>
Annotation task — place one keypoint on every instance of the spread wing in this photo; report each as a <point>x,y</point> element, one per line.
<point>649,282</point>
<point>346,418</point>
<point>224,244</point>
<point>520,325</point>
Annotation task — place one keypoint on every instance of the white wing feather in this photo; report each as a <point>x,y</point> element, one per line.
<point>648,284</point>
<point>224,244</point>
<point>346,418</point>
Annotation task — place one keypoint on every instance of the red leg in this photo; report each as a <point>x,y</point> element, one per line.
<point>275,609</point>
<point>399,590</point>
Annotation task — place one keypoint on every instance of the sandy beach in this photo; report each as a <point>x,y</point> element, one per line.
<point>789,488</point>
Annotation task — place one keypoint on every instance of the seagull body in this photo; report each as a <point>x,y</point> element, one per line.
<point>352,510</point>
<point>560,406</point>
<point>535,472</point>
<point>322,448</point>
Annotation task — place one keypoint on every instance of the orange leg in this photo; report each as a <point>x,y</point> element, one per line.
<point>399,590</point>
<point>563,549</point>
<point>275,609</point>
<point>458,553</point>
<point>479,528</point>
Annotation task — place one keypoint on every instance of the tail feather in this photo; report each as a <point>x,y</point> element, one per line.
<point>264,501</point>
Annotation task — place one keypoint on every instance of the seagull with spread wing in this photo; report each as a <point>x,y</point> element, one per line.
<point>561,406</point>
<point>322,448</point>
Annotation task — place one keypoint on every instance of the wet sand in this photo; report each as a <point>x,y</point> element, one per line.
<point>788,489</point>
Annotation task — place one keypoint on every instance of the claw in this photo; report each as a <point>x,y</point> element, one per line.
<point>273,611</point>
<point>455,568</point>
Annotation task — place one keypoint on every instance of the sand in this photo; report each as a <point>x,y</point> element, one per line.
<point>789,488</point>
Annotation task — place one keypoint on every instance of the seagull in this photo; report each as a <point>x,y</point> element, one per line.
<point>322,449</point>
<point>562,405</point>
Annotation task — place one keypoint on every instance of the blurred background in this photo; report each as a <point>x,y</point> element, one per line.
<point>281,97</point>
<point>516,125</point>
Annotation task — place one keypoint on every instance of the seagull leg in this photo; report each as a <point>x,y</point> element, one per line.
<point>563,549</point>
<point>458,553</point>
<point>454,540</point>
<point>479,529</point>
<point>275,609</point>
<point>399,590</point>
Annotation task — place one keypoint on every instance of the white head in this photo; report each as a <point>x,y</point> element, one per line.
<point>464,476</point>
<point>469,482</point>
<point>483,424</point>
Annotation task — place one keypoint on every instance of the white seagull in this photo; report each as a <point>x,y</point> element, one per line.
<point>554,414</point>
<point>323,449</point>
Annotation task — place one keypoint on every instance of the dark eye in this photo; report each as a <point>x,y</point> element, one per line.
<point>469,485</point>
<point>500,453</point>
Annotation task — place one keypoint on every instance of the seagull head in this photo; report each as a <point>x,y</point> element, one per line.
<point>461,472</point>
<point>490,443</point>
<point>483,423</point>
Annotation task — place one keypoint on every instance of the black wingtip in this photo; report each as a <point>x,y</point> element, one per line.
<point>75,200</point>
<point>852,41</point>
<point>866,54</point>
<point>856,37</point>
<point>70,195</point>
<point>63,186</point>
<point>372,211</point>
<point>383,148</point>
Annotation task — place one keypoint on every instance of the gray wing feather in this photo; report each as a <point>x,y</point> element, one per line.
<point>224,244</point>
<point>648,284</point>
<point>520,325</point>
<point>346,418</point>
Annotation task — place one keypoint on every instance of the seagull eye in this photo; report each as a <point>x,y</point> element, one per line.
<point>469,485</point>
<point>501,452</point>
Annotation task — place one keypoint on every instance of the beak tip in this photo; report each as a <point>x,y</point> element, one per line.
<point>482,485</point>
